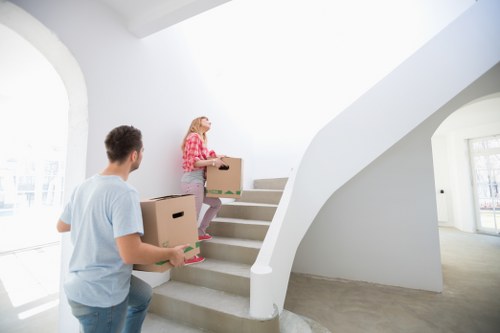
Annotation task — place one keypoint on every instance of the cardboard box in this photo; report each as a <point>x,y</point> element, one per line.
<point>225,183</point>
<point>169,221</point>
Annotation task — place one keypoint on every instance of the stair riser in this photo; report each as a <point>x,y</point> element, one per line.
<point>270,184</point>
<point>247,212</point>
<point>215,280</point>
<point>238,230</point>
<point>209,319</point>
<point>266,197</point>
<point>231,253</point>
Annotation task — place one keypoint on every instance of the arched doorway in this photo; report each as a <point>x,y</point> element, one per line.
<point>459,168</point>
<point>33,133</point>
<point>56,53</point>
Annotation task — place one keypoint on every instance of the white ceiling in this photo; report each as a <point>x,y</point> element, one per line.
<point>145,17</point>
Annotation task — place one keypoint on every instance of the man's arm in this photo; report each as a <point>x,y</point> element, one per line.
<point>134,251</point>
<point>63,227</point>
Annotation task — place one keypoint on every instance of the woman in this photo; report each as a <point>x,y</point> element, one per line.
<point>195,159</point>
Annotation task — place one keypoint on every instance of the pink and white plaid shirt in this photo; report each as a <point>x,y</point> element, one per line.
<point>195,150</point>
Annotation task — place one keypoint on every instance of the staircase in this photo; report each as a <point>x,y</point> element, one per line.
<point>214,296</point>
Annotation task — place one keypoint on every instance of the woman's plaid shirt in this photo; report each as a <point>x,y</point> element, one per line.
<point>194,150</point>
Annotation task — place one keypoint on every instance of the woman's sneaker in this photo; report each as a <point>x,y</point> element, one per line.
<point>193,260</point>
<point>204,237</point>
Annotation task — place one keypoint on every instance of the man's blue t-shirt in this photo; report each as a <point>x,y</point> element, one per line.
<point>101,209</point>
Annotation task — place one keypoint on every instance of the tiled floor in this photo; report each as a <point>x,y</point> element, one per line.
<point>29,290</point>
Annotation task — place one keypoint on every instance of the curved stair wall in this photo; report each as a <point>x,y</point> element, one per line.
<point>448,63</point>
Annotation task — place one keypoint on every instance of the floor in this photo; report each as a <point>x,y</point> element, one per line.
<point>29,290</point>
<point>470,301</point>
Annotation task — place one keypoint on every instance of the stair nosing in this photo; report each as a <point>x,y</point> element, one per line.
<point>241,242</point>
<point>270,190</point>
<point>241,221</point>
<point>210,264</point>
<point>249,204</point>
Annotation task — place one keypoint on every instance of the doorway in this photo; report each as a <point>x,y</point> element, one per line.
<point>485,162</point>
<point>33,132</point>
<point>26,306</point>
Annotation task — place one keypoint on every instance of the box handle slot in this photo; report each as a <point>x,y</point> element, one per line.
<point>177,215</point>
<point>224,167</point>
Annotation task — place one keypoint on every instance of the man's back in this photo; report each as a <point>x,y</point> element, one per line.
<point>100,210</point>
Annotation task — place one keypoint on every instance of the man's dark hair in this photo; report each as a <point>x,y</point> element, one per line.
<point>121,141</point>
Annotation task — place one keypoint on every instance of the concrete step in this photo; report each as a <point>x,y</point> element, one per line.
<point>213,296</point>
<point>244,251</point>
<point>261,196</point>
<point>238,228</point>
<point>270,184</point>
<point>289,323</point>
<point>247,210</point>
<point>157,324</point>
<point>216,274</point>
<point>209,309</point>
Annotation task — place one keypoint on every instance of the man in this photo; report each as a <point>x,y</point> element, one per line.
<point>104,217</point>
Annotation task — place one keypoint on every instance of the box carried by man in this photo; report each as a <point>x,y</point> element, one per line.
<point>225,182</point>
<point>169,221</point>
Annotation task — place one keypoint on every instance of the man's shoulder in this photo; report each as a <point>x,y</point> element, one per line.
<point>110,183</point>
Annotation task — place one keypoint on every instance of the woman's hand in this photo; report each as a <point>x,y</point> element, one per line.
<point>218,162</point>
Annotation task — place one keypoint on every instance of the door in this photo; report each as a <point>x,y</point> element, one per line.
<point>485,161</point>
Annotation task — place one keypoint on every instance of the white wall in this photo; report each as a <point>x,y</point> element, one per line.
<point>355,230</point>
<point>284,68</point>
<point>267,82</point>
<point>148,83</point>
<point>353,233</point>
<point>480,118</point>
<point>440,153</point>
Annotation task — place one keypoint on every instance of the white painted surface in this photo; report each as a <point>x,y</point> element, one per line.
<point>398,245</point>
<point>248,79</point>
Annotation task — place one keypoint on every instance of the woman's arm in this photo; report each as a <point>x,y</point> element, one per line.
<point>215,162</point>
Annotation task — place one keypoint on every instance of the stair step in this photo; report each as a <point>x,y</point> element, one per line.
<point>244,251</point>
<point>261,196</point>
<point>209,309</point>
<point>157,324</point>
<point>216,274</point>
<point>213,296</point>
<point>247,210</point>
<point>289,323</point>
<point>238,228</point>
<point>271,184</point>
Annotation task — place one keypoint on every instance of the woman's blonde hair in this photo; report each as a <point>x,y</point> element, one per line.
<point>195,128</point>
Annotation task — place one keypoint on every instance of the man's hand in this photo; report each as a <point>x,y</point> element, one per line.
<point>134,251</point>
<point>177,256</point>
<point>63,227</point>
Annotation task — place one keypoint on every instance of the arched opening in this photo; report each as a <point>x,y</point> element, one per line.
<point>465,179</point>
<point>34,107</point>
<point>66,67</point>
